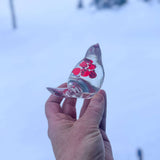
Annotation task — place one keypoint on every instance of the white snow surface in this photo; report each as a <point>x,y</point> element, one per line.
<point>52,36</point>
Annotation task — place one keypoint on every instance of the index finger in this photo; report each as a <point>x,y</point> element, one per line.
<point>52,105</point>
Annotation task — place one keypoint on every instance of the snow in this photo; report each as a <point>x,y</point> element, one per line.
<point>51,38</point>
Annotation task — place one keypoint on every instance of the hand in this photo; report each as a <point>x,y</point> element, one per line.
<point>82,139</point>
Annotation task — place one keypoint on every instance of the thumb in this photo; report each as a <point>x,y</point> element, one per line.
<point>95,109</point>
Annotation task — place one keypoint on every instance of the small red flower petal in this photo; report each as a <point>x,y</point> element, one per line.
<point>88,60</point>
<point>64,92</point>
<point>83,64</point>
<point>76,71</point>
<point>92,66</point>
<point>92,74</point>
<point>84,73</point>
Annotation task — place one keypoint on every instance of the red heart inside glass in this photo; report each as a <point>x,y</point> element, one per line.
<point>86,78</point>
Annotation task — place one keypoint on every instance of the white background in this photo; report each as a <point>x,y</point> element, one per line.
<point>51,38</point>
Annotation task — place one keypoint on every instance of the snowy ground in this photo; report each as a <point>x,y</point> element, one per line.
<point>50,40</point>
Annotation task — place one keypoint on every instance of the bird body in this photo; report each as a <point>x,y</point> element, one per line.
<point>86,78</point>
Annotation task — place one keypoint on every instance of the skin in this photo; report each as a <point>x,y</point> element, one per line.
<point>82,139</point>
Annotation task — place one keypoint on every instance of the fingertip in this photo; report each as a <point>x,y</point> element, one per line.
<point>102,92</point>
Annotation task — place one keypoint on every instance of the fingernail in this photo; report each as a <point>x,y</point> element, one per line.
<point>102,92</point>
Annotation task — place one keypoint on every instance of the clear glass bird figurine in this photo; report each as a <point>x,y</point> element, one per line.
<point>86,78</point>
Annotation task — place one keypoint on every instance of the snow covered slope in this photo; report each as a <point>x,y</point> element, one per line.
<point>51,38</point>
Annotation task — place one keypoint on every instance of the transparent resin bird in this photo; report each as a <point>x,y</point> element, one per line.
<point>86,78</point>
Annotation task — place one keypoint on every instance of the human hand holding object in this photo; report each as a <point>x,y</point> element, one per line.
<point>78,139</point>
